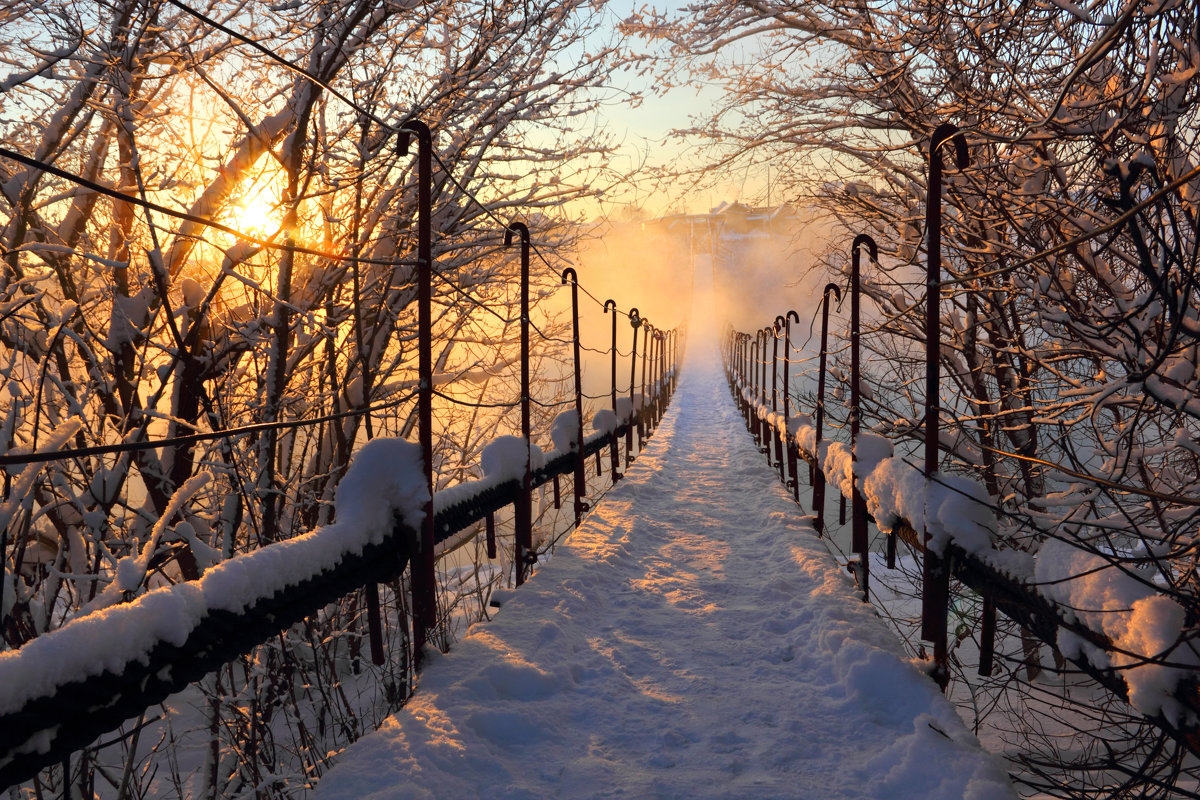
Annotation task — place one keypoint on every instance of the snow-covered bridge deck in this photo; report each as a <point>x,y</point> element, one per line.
<point>692,639</point>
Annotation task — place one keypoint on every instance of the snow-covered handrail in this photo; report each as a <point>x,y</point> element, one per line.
<point>62,690</point>
<point>1158,678</point>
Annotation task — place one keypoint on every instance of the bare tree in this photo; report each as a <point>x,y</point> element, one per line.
<point>1069,300</point>
<point>207,225</point>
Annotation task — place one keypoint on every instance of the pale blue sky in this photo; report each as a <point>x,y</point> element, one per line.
<point>645,130</point>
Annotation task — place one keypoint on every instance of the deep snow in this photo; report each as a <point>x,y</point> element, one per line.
<point>693,639</point>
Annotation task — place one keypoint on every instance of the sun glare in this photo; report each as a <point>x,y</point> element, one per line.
<point>255,215</point>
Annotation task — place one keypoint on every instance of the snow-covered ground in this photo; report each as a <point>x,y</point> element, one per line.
<point>692,639</point>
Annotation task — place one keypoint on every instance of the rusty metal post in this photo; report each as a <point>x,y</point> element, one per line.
<point>792,447</point>
<point>650,388</point>
<point>640,406</point>
<point>739,369</point>
<point>660,373</point>
<point>735,350</point>
<point>746,377</point>
<point>635,321</point>
<point>611,305</point>
<point>647,344</point>
<point>778,438</point>
<point>764,437</point>
<point>374,625</point>
<point>751,412</point>
<point>674,360</point>
<point>580,478</point>
<point>987,636</point>
<point>735,345</point>
<point>424,579</point>
<point>523,507</point>
<point>936,595</point>
<point>672,338</point>
<point>660,390</point>
<point>652,400</point>
<point>735,365</point>
<point>818,482</point>
<point>858,506</point>
<point>751,400</point>
<point>614,454</point>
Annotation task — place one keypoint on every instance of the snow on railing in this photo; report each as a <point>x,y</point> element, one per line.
<point>1119,630</point>
<point>65,688</point>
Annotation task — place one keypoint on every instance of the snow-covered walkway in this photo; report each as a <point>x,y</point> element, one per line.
<point>693,639</point>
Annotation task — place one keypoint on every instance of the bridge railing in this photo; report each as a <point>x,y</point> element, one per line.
<point>129,650</point>
<point>951,518</point>
<point>64,689</point>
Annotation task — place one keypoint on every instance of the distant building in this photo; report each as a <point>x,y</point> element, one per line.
<point>756,256</point>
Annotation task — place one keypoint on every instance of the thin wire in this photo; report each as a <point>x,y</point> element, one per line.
<point>268,244</point>
<point>298,70</point>
<point>553,404</point>
<point>175,441</point>
<point>472,404</point>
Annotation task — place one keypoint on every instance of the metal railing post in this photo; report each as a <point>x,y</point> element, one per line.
<point>635,322</point>
<point>523,507</point>
<point>858,506</point>
<point>775,397</point>
<point>936,595</point>
<point>611,306</point>
<point>765,333</point>
<point>640,412</point>
<point>793,455</point>
<point>751,413</point>
<point>581,505</point>
<point>424,579</point>
<point>818,482</point>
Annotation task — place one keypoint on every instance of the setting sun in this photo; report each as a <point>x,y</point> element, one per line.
<point>255,214</point>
